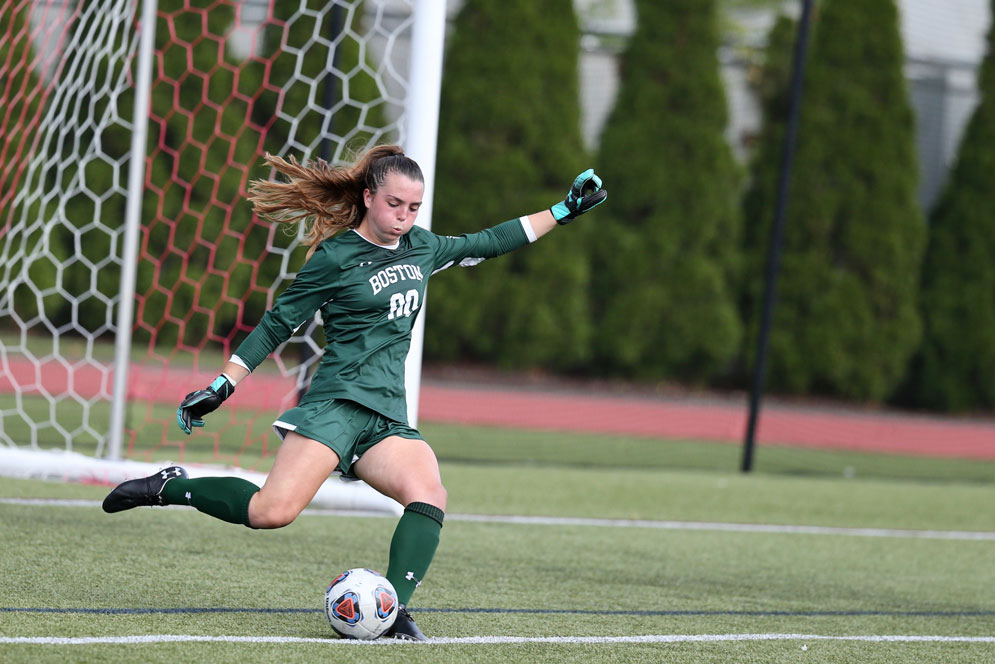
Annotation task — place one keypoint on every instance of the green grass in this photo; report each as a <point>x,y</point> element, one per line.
<point>684,582</point>
<point>543,448</point>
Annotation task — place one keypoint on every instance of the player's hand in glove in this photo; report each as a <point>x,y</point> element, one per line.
<point>585,194</point>
<point>197,404</point>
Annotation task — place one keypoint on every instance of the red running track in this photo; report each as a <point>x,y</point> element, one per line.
<point>777,425</point>
<point>449,402</point>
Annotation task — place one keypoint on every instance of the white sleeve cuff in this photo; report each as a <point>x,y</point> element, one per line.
<point>240,362</point>
<point>527,227</point>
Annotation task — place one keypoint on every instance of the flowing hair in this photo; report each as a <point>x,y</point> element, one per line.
<point>327,199</point>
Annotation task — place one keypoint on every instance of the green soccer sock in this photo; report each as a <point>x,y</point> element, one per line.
<point>225,498</point>
<point>413,547</point>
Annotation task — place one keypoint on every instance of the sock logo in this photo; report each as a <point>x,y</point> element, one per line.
<point>410,576</point>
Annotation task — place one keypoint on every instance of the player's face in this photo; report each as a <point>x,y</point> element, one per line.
<point>391,211</point>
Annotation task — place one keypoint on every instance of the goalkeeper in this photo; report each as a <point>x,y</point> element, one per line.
<point>366,271</point>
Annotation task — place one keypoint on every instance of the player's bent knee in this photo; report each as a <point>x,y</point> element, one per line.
<point>267,517</point>
<point>435,495</point>
<point>270,520</point>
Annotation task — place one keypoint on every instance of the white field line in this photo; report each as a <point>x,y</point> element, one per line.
<point>729,527</point>
<point>489,640</point>
<point>619,523</point>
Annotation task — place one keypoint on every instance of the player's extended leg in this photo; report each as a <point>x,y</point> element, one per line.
<point>407,471</point>
<point>300,467</point>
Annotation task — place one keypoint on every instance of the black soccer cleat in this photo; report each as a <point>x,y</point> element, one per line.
<point>404,627</point>
<point>145,491</point>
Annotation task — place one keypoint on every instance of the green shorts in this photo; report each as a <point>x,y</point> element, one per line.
<point>348,428</point>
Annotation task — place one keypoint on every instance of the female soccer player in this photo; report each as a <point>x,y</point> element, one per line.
<point>369,283</point>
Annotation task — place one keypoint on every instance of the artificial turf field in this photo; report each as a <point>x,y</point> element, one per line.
<point>575,564</point>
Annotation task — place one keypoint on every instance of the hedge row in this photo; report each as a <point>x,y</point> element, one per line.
<point>954,368</point>
<point>847,319</point>
<point>663,282</point>
<point>676,256</point>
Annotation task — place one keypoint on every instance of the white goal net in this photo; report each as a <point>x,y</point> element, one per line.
<point>130,263</point>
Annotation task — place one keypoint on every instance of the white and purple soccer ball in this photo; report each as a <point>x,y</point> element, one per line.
<point>360,604</point>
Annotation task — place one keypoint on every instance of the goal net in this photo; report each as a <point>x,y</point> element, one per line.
<point>84,151</point>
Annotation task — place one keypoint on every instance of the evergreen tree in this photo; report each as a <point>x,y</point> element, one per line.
<point>22,228</point>
<point>200,143</point>
<point>204,265</point>
<point>308,111</point>
<point>846,320</point>
<point>63,206</point>
<point>772,88</point>
<point>509,144</point>
<point>22,92</point>
<point>955,369</point>
<point>667,254</point>
<point>214,121</point>
<point>300,68</point>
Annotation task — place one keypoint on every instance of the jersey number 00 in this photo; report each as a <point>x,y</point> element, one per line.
<point>403,304</point>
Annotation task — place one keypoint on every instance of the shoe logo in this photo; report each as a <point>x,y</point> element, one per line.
<point>169,472</point>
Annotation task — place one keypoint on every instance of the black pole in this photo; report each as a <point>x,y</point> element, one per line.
<point>329,94</point>
<point>774,254</point>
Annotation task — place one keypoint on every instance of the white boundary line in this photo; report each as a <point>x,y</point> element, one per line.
<point>730,527</point>
<point>490,640</point>
<point>619,523</point>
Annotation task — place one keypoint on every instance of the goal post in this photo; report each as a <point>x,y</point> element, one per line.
<point>132,229</point>
<point>420,144</point>
<point>132,264</point>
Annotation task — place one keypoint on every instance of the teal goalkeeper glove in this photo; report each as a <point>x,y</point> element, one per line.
<point>197,404</point>
<point>585,194</point>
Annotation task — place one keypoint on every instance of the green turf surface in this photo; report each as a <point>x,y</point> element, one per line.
<point>542,448</point>
<point>525,580</point>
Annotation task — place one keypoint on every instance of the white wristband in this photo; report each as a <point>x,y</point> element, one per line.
<point>527,227</point>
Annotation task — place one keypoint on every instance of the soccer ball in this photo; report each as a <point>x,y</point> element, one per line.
<point>360,604</point>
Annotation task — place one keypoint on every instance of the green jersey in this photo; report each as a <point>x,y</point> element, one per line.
<point>369,297</point>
